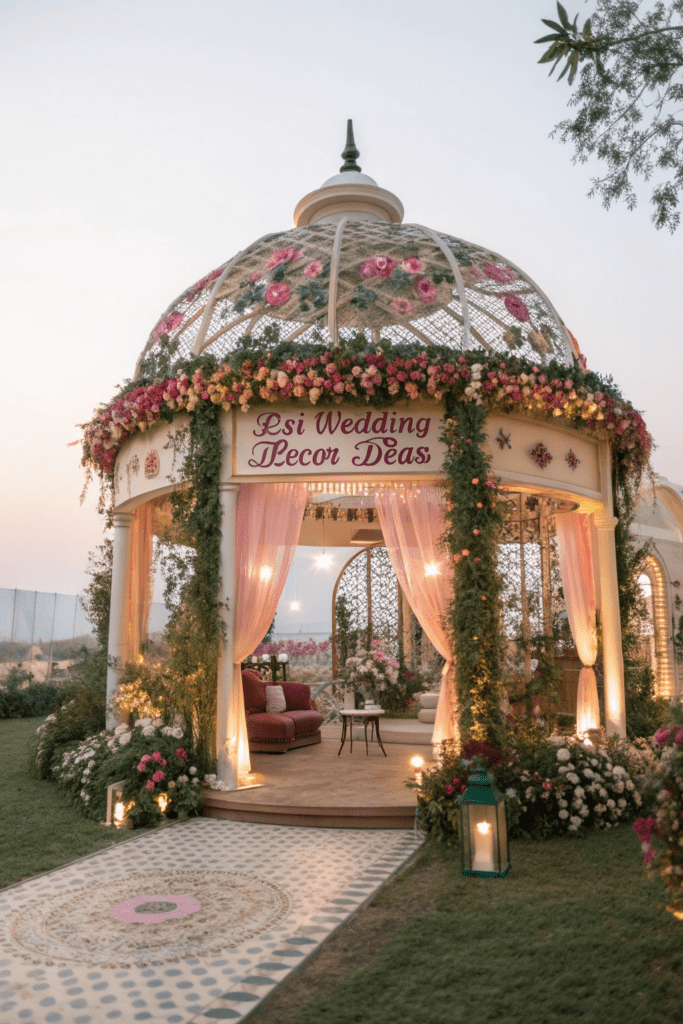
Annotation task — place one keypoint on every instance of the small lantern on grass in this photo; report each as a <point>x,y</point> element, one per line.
<point>117,810</point>
<point>483,827</point>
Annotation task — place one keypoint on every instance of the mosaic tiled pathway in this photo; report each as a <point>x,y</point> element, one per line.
<point>268,896</point>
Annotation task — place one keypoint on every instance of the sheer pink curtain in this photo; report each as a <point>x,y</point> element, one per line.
<point>575,544</point>
<point>266,535</point>
<point>140,584</point>
<point>412,523</point>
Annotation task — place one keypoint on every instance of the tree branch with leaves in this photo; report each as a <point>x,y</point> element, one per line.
<point>627,63</point>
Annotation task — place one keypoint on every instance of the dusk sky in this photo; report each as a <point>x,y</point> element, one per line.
<point>147,142</point>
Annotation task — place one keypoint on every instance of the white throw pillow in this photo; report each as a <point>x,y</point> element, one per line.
<point>275,699</point>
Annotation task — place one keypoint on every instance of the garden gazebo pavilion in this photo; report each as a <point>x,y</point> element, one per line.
<point>343,353</point>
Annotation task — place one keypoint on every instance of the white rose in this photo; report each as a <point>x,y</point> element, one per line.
<point>594,762</point>
<point>579,792</point>
<point>603,793</point>
<point>143,722</point>
<point>563,814</point>
<point>563,770</point>
<point>588,772</point>
<point>611,803</point>
<point>629,785</point>
<point>622,803</point>
<point>573,778</point>
<point>149,730</point>
<point>124,738</point>
<point>157,722</point>
<point>575,820</point>
<point>562,803</point>
<point>563,754</point>
<point>167,730</point>
<point>177,733</point>
<point>193,771</point>
<point>119,729</point>
<point>195,782</point>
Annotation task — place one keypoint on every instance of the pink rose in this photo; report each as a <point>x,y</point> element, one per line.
<point>141,767</point>
<point>149,785</point>
<point>450,789</point>
<point>368,268</point>
<point>256,276</point>
<point>158,776</point>
<point>412,265</point>
<point>426,290</point>
<point>277,294</point>
<point>156,756</point>
<point>181,754</point>
<point>384,266</point>
<point>402,306</point>
<point>662,737</point>
<point>145,758</point>
<point>282,256</point>
<point>168,324</point>
<point>313,268</point>
<point>516,307</point>
<point>501,274</point>
<point>678,738</point>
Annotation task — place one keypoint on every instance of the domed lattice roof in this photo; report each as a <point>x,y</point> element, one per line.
<point>350,265</point>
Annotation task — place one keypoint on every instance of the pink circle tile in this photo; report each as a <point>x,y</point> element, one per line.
<point>153,909</point>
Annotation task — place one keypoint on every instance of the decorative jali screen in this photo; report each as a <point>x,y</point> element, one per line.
<point>531,602</point>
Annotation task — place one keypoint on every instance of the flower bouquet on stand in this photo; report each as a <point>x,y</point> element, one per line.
<point>372,675</point>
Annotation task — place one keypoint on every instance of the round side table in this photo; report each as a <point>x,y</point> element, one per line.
<point>370,718</point>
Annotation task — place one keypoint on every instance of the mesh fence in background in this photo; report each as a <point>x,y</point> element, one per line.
<point>43,633</point>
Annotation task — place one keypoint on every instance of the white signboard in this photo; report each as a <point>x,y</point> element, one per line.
<point>345,441</point>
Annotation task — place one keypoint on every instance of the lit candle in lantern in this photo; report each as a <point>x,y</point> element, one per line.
<point>483,847</point>
<point>162,800</point>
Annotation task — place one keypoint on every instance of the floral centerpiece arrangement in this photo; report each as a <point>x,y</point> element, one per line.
<point>154,761</point>
<point>661,834</point>
<point>372,675</point>
<point>551,786</point>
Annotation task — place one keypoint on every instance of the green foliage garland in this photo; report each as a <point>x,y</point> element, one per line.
<point>474,520</point>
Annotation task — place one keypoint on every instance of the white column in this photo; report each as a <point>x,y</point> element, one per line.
<point>118,612</point>
<point>226,751</point>
<point>613,659</point>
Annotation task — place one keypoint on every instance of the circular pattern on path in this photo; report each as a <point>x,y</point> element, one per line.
<point>78,926</point>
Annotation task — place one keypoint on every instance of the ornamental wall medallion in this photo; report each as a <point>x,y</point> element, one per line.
<point>541,456</point>
<point>572,460</point>
<point>152,464</point>
<point>503,439</point>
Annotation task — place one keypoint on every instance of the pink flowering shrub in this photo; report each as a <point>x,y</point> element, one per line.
<point>549,789</point>
<point>661,834</point>
<point>516,307</point>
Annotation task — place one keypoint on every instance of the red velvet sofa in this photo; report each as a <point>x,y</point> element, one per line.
<point>298,726</point>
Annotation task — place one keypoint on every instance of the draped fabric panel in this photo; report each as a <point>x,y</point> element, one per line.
<point>140,581</point>
<point>412,524</point>
<point>267,530</point>
<point>575,545</point>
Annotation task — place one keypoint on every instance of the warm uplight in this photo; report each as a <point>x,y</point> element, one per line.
<point>417,763</point>
<point>323,561</point>
<point>432,569</point>
<point>162,800</point>
<point>483,827</point>
<point>266,572</point>
<point>119,813</point>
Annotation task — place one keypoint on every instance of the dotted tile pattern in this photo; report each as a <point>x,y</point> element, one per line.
<point>269,896</point>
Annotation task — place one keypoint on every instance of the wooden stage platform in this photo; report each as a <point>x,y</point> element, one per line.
<point>315,787</point>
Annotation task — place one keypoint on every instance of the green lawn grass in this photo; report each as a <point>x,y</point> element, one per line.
<point>38,829</point>
<point>573,933</point>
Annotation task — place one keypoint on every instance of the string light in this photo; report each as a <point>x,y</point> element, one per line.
<point>432,569</point>
<point>266,573</point>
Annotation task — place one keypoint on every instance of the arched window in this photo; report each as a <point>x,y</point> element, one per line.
<point>655,633</point>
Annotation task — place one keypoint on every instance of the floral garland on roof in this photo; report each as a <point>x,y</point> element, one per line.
<point>357,374</point>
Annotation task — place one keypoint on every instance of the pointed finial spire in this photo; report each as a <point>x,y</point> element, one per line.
<point>350,153</point>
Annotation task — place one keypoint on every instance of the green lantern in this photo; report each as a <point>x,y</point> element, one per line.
<point>483,827</point>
